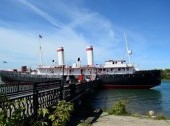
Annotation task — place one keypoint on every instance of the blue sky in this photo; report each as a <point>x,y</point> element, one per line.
<point>76,24</point>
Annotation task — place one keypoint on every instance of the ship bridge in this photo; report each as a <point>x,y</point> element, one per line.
<point>115,63</point>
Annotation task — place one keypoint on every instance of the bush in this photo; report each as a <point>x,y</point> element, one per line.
<point>160,117</point>
<point>119,108</point>
<point>58,117</point>
<point>61,114</point>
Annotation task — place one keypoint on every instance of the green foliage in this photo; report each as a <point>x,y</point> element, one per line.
<point>119,108</point>
<point>41,120</point>
<point>61,114</point>
<point>43,112</point>
<point>165,74</point>
<point>58,117</point>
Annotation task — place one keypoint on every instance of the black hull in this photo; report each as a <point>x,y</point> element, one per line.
<point>138,80</point>
<point>18,77</point>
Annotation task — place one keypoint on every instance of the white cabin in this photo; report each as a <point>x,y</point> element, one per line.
<point>116,67</point>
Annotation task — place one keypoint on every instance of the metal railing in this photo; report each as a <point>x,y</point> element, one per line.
<point>42,95</point>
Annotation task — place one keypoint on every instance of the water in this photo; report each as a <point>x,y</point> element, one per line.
<point>139,101</point>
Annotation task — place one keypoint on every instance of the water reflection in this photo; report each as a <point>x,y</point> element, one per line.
<point>139,101</point>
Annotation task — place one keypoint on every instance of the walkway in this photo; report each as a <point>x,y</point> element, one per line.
<point>112,120</point>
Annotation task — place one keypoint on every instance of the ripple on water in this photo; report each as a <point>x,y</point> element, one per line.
<point>139,101</point>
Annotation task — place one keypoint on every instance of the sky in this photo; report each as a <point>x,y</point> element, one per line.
<point>76,24</point>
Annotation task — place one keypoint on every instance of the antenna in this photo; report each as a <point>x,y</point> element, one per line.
<point>40,37</point>
<point>129,52</point>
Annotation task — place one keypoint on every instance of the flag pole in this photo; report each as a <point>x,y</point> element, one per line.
<point>40,37</point>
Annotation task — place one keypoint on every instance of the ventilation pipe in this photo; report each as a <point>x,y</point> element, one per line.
<point>89,51</point>
<point>60,52</point>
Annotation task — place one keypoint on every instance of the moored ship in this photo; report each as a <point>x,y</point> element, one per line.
<point>113,74</point>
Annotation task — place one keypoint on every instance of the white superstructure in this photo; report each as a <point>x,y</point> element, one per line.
<point>110,66</point>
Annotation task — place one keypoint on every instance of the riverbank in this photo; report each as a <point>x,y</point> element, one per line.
<point>112,120</point>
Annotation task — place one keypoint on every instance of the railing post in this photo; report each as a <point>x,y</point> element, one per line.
<point>35,99</point>
<point>18,83</point>
<point>61,89</point>
<point>72,90</point>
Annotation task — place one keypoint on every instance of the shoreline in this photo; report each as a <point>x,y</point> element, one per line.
<point>165,79</point>
<point>114,120</point>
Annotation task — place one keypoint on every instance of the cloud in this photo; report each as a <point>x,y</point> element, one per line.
<point>17,47</point>
<point>90,27</point>
<point>81,20</point>
<point>82,28</point>
<point>46,16</point>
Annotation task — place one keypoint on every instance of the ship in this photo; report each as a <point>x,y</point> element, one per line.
<point>116,74</point>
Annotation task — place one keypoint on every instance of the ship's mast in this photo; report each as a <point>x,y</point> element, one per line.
<point>41,62</point>
<point>129,52</point>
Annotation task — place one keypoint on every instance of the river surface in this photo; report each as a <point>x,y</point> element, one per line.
<point>139,101</point>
